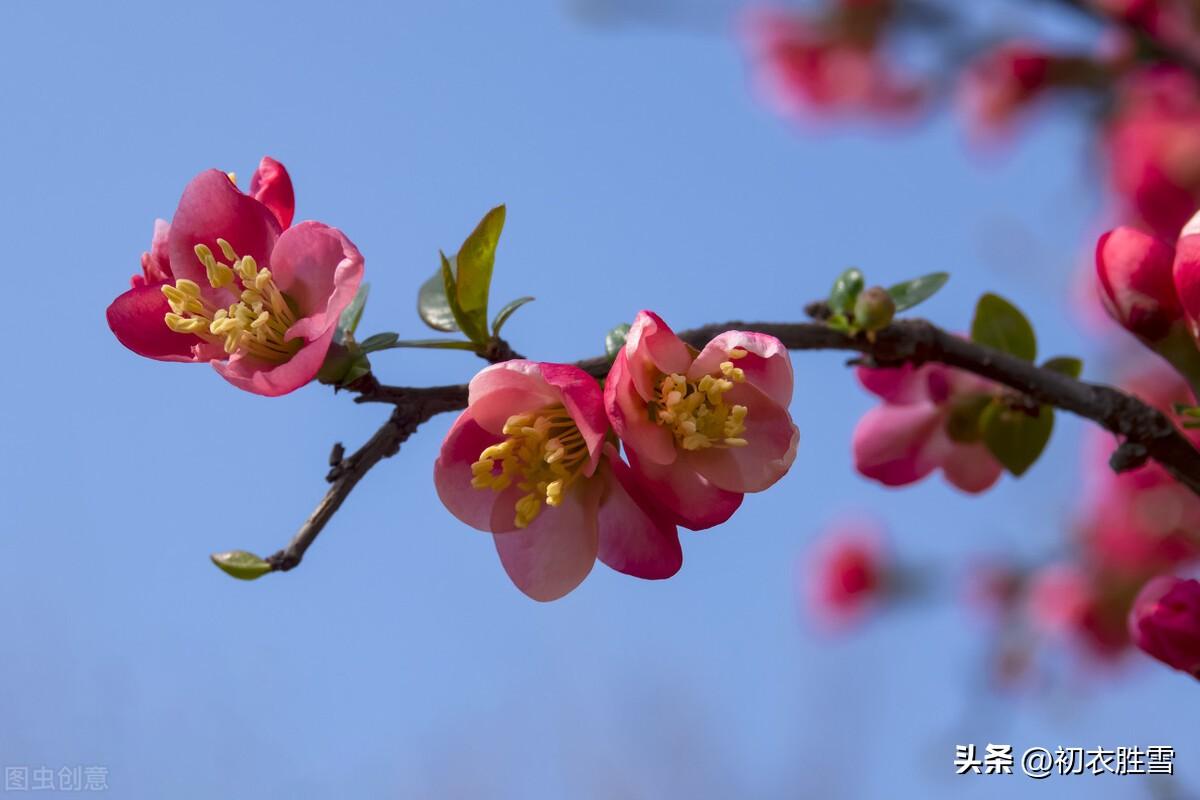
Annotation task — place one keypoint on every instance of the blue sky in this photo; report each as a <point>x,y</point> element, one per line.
<point>398,661</point>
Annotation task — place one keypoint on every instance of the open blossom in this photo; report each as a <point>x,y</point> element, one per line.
<point>831,65</point>
<point>702,429</point>
<point>845,573</point>
<point>531,462</point>
<point>225,283</point>
<point>1165,622</point>
<point>913,432</point>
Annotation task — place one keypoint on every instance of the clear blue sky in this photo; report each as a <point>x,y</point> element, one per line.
<point>639,171</point>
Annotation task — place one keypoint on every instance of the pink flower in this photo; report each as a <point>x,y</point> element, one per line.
<point>1004,82</point>
<point>1066,601</point>
<point>1186,272</point>
<point>222,284</point>
<point>1136,283</point>
<point>828,66</point>
<point>910,435</point>
<point>529,461</point>
<point>1165,622</point>
<point>702,429</point>
<point>846,573</point>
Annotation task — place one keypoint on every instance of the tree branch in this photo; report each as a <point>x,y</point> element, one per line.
<point>1147,433</point>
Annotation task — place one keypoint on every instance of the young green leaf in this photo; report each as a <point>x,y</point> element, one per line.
<point>1015,437</point>
<point>999,324</point>
<point>428,344</point>
<point>475,327</point>
<point>476,260</point>
<point>380,341</point>
<point>1067,365</point>
<point>845,291</point>
<point>241,565</point>
<point>433,305</point>
<point>351,315</point>
<point>503,314</point>
<point>918,290</point>
<point>614,340</point>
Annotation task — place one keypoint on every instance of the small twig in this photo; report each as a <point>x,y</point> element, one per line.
<point>1147,433</point>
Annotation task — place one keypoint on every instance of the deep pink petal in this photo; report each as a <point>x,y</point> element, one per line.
<point>1187,270</point>
<point>770,450</point>
<point>768,366</point>
<point>971,467</point>
<point>653,349</point>
<point>513,387</point>
<point>272,186</point>
<point>899,385</point>
<point>557,551</point>
<point>136,318</point>
<point>211,208</point>
<point>695,502</point>
<point>1136,284</point>
<point>630,416</point>
<point>156,263</point>
<point>898,445</point>
<point>452,472</point>
<point>635,538</point>
<point>319,270</point>
<point>584,401</point>
<point>272,380</point>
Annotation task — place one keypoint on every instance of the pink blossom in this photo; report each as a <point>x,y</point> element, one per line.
<point>702,429</point>
<point>1165,622</point>
<point>1003,82</point>
<point>845,573</point>
<point>910,435</point>
<point>1067,601</point>
<point>530,461</point>
<point>224,283</point>
<point>1136,283</point>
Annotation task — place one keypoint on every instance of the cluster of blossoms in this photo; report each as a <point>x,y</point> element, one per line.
<point>534,459</point>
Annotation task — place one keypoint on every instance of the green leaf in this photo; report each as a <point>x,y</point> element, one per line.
<point>1068,365</point>
<point>999,324</point>
<point>1015,437</point>
<point>839,323</point>
<point>474,327</point>
<point>432,304</point>
<point>614,340</point>
<point>476,259</point>
<point>358,368</point>
<point>351,315</point>
<point>430,344</point>
<point>503,314</point>
<point>341,366</point>
<point>918,290</point>
<point>241,565</point>
<point>380,341</point>
<point>964,423</point>
<point>845,291</point>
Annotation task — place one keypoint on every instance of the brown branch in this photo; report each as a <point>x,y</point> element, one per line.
<point>1147,433</point>
<point>1147,41</point>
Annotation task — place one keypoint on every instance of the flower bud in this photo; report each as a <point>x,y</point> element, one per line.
<point>874,309</point>
<point>1165,622</point>
<point>1136,284</point>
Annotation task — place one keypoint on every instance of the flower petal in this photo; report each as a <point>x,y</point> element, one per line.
<point>630,418</point>
<point>898,385</point>
<point>635,538</point>
<point>452,472</point>
<point>272,380</point>
<point>653,348</point>
<point>212,207</point>
<point>1186,270</point>
<point>768,366</point>
<point>136,319</point>
<point>771,446</point>
<point>512,387</point>
<point>898,445</point>
<point>971,467</point>
<point>557,551</point>
<point>272,186</point>
<point>584,401</point>
<point>319,269</point>
<point>695,502</point>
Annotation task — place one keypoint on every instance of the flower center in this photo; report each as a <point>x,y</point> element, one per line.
<point>696,412</point>
<point>256,325</point>
<point>544,453</point>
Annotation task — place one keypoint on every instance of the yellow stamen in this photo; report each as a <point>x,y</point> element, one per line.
<point>257,324</point>
<point>696,412</point>
<point>543,454</point>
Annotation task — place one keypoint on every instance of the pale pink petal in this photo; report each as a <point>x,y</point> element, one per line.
<point>557,551</point>
<point>319,270</point>
<point>771,446</point>
<point>768,366</point>
<point>898,445</point>
<point>635,538</point>
<point>898,385</point>
<point>653,349</point>
<point>971,467</point>
<point>452,472</point>
<point>272,186</point>
<point>630,416</point>
<point>513,387</point>
<point>272,380</point>
<point>696,503</point>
